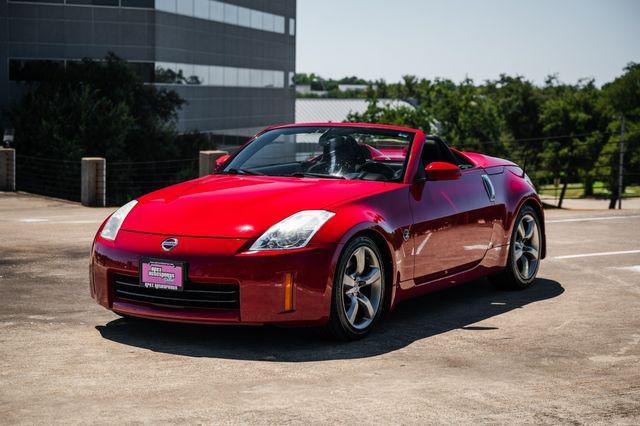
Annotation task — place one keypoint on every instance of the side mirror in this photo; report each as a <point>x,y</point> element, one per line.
<point>439,170</point>
<point>221,160</point>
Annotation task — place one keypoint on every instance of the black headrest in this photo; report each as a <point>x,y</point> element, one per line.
<point>334,142</point>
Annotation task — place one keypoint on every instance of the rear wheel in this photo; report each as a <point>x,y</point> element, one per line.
<point>524,252</point>
<point>358,290</point>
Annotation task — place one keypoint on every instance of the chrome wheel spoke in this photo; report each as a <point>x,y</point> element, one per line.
<point>530,252</point>
<point>360,258</point>
<point>348,281</point>
<point>521,232</point>
<point>353,309</point>
<point>525,267</point>
<point>530,228</point>
<point>366,304</point>
<point>517,250</point>
<point>371,277</point>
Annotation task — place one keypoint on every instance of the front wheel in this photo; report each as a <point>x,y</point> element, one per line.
<point>358,290</point>
<point>524,252</point>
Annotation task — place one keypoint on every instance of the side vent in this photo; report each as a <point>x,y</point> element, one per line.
<point>488,186</point>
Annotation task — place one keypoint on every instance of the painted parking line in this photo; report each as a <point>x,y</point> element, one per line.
<point>78,222</point>
<point>48,221</point>
<point>593,218</point>
<point>634,268</point>
<point>607,253</point>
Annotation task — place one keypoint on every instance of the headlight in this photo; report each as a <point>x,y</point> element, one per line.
<point>293,232</point>
<point>114,223</point>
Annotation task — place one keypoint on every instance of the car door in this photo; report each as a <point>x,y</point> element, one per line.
<point>452,226</point>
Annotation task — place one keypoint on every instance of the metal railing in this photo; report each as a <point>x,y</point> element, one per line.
<point>121,182</point>
<point>52,178</point>
<point>129,180</point>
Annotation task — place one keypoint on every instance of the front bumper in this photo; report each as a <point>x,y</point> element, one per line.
<point>258,275</point>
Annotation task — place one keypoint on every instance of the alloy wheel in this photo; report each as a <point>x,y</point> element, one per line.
<point>527,247</point>
<point>362,287</point>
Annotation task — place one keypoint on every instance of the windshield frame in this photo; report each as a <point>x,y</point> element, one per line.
<point>411,134</point>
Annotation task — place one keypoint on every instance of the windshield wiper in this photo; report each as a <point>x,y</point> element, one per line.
<point>241,172</point>
<point>321,175</point>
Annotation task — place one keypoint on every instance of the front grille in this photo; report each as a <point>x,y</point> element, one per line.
<point>194,295</point>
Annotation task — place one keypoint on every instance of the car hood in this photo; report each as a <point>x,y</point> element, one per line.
<point>232,206</point>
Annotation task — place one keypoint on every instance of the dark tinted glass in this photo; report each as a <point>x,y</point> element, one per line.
<point>144,70</point>
<point>96,2</point>
<point>39,1</point>
<point>40,69</point>
<point>32,69</point>
<point>148,4</point>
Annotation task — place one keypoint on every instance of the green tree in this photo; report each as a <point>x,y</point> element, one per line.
<point>519,101</point>
<point>558,131</point>
<point>621,100</point>
<point>574,126</point>
<point>461,114</point>
<point>317,83</point>
<point>96,108</point>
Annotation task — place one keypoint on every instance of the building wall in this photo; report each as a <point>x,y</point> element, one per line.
<point>4,70</point>
<point>237,104</point>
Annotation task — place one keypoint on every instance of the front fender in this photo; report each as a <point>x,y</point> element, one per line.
<point>384,217</point>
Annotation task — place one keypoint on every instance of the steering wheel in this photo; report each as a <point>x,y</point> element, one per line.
<point>377,168</point>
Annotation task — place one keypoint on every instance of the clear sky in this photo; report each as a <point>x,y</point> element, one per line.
<point>476,38</point>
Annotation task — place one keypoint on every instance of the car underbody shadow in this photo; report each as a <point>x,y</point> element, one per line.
<point>455,308</point>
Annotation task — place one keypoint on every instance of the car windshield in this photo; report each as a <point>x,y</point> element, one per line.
<point>325,152</point>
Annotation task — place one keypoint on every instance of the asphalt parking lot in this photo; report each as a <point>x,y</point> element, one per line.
<point>567,350</point>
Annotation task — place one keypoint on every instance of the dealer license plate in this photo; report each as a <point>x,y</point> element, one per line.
<point>162,274</point>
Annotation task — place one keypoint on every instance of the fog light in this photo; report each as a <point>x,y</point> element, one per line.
<point>288,291</point>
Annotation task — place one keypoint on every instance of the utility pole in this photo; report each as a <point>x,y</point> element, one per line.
<point>621,165</point>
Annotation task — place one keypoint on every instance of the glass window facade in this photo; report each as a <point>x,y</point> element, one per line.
<point>211,10</point>
<point>234,76</point>
<point>162,73</point>
<point>146,4</point>
<point>201,9</point>
<point>166,5</point>
<point>185,8</point>
<point>292,27</point>
<point>41,69</point>
<point>225,13</point>
<point>112,3</point>
<point>32,69</point>
<point>213,75</point>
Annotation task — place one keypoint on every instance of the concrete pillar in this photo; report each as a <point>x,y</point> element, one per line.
<point>208,161</point>
<point>94,182</point>
<point>7,169</point>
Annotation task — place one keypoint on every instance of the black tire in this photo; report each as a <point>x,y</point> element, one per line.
<point>339,326</point>
<point>512,278</point>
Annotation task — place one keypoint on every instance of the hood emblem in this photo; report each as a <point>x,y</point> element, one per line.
<point>169,244</point>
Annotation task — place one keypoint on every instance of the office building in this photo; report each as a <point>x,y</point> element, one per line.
<point>233,61</point>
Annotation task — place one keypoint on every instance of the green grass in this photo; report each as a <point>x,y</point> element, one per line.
<point>576,190</point>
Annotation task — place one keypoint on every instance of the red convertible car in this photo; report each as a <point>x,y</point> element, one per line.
<point>320,224</point>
